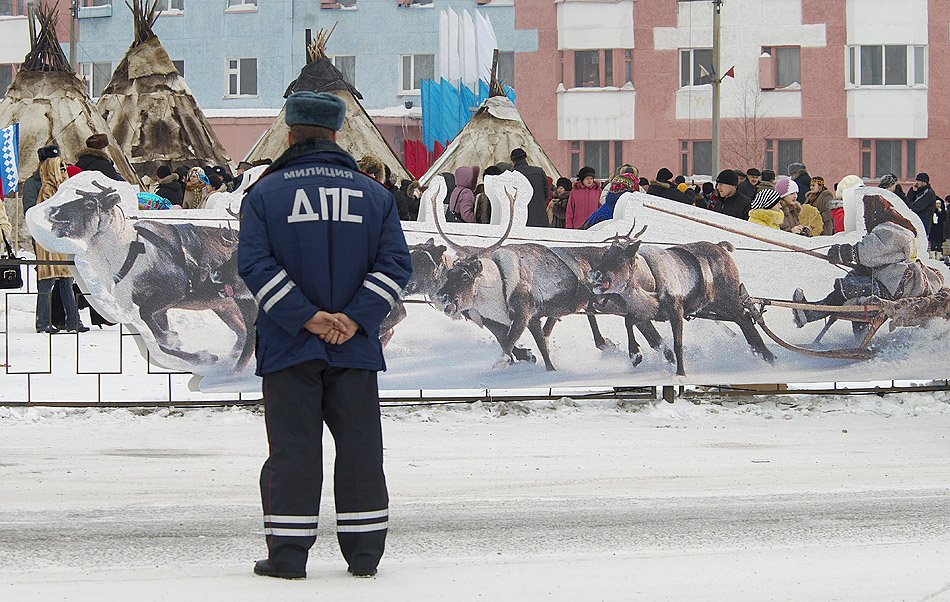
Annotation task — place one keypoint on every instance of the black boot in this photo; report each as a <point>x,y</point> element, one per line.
<point>264,568</point>
<point>362,572</point>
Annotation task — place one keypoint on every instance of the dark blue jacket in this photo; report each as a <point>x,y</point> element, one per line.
<point>318,235</point>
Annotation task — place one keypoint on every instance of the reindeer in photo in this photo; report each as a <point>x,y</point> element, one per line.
<point>510,289</point>
<point>146,269</point>
<point>692,280</point>
<point>429,265</point>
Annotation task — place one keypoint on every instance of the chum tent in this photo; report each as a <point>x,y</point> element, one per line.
<point>359,135</point>
<point>488,138</point>
<point>150,108</point>
<point>52,104</point>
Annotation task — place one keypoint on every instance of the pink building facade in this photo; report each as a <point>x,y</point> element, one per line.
<point>845,86</point>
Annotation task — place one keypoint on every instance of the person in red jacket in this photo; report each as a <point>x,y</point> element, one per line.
<point>584,199</point>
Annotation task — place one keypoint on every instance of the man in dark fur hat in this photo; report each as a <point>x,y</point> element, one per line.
<point>96,158</point>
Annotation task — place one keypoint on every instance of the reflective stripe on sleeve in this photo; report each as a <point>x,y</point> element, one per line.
<point>385,294</point>
<point>388,282</point>
<point>278,296</point>
<point>271,285</point>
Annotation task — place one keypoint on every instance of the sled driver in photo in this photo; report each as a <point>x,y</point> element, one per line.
<point>322,250</point>
<point>884,263</point>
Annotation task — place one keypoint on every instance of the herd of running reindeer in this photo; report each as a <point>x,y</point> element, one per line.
<point>510,288</point>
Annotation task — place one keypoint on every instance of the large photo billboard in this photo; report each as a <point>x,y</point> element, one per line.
<point>663,293</point>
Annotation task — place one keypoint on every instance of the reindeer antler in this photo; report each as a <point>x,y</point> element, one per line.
<point>236,216</point>
<point>626,238</point>
<point>511,222</point>
<point>461,249</point>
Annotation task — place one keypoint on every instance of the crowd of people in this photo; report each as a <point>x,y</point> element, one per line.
<point>798,203</point>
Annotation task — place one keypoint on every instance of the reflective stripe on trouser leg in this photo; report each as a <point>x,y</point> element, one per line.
<point>351,411</point>
<point>293,473</point>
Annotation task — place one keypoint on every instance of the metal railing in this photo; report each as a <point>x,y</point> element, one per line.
<point>103,379</point>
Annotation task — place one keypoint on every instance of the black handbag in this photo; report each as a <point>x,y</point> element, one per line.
<point>11,276</point>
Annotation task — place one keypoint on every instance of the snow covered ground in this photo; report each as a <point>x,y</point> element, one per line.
<point>791,498</point>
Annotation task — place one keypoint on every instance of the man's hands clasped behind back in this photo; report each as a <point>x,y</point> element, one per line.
<point>334,329</point>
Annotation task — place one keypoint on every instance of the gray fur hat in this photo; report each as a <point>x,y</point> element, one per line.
<point>315,108</point>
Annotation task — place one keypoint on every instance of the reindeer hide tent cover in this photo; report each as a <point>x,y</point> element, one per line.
<point>52,106</point>
<point>152,112</point>
<point>359,135</point>
<point>494,131</point>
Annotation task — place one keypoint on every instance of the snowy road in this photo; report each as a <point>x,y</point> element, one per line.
<point>833,500</point>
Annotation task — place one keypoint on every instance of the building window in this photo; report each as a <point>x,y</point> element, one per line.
<point>597,155</point>
<point>413,68</point>
<point>170,6</point>
<point>575,157</point>
<point>337,3</point>
<point>346,65</point>
<point>880,157</point>
<point>693,62</point>
<point>180,65</point>
<point>506,68</point>
<point>241,6</point>
<point>88,3</point>
<point>587,68</point>
<point>12,8</point>
<point>779,154</point>
<point>242,77</point>
<point>6,78</point>
<point>787,62</point>
<point>96,76</point>
<point>628,65</point>
<point>890,65</point>
<point>414,2</point>
<point>696,157</point>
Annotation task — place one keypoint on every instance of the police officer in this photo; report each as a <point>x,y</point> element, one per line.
<point>324,254</point>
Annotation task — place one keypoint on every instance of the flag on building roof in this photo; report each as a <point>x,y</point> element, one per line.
<point>9,159</point>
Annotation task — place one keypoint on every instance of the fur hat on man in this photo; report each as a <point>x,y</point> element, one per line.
<point>163,172</point>
<point>320,109</point>
<point>888,180</point>
<point>664,175</point>
<point>49,152</point>
<point>728,176</point>
<point>97,141</point>
<point>768,175</point>
<point>786,186</point>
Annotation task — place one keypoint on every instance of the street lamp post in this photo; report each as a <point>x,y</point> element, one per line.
<point>716,85</point>
<point>73,19</point>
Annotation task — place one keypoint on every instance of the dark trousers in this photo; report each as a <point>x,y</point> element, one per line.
<point>297,401</point>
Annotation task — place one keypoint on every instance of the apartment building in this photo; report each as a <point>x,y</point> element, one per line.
<point>239,56</point>
<point>843,85</point>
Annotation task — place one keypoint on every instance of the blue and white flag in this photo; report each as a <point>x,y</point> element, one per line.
<point>9,158</point>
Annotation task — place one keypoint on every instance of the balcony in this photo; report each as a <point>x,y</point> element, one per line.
<point>596,113</point>
<point>886,112</point>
